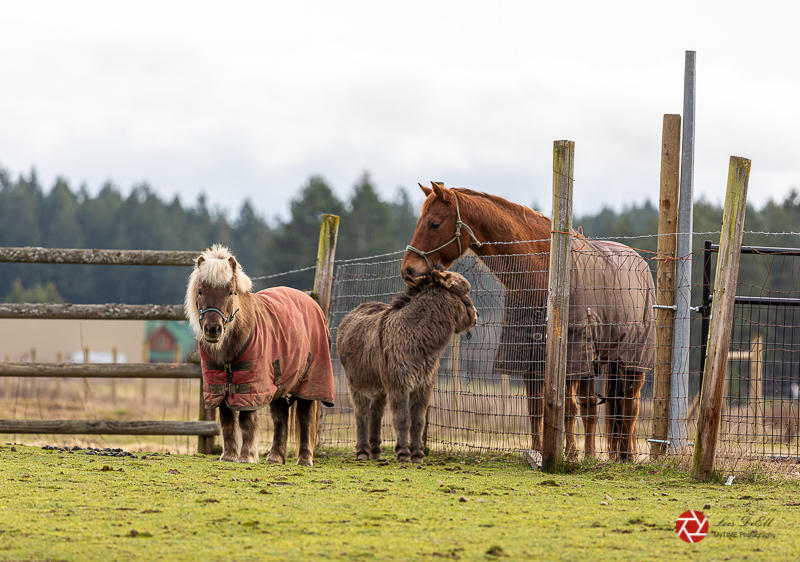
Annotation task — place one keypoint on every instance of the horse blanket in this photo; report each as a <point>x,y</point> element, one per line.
<point>286,356</point>
<point>611,319</point>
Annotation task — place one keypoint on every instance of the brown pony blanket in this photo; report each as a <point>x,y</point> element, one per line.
<point>610,319</point>
<point>287,355</point>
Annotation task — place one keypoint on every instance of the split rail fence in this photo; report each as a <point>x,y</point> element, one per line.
<point>205,427</point>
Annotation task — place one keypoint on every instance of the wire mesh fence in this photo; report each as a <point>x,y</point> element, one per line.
<point>489,397</point>
<point>489,391</point>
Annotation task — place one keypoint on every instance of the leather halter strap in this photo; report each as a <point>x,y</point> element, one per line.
<point>225,319</point>
<point>456,237</point>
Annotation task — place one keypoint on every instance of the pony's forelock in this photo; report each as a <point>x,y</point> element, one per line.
<point>213,269</point>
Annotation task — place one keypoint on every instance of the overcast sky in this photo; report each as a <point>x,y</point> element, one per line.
<point>245,100</point>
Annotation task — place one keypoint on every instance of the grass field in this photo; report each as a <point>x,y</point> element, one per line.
<point>56,505</point>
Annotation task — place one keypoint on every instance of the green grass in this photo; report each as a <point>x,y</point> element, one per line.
<point>69,506</point>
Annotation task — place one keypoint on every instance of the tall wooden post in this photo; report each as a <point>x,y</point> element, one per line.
<point>323,280</point>
<point>665,280</point>
<point>323,276</point>
<point>730,244</point>
<point>555,374</point>
<point>756,395</point>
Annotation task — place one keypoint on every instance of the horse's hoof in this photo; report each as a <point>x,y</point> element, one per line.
<point>229,457</point>
<point>275,459</point>
<point>418,460</point>
<point>362,457</point>
<point>305,462</point>
<point>252,459</point>
<point>375,456</point>
<point>403,458</point>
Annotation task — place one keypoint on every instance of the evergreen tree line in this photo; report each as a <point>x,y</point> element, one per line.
<point>67,218</point>
<point>370,225</point>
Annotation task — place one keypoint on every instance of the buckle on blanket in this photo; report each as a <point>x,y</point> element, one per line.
<point>229,388</point>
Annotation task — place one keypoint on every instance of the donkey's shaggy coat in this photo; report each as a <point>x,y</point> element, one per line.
<point>394,350</point>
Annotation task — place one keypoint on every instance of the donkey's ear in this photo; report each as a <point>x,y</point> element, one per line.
<point>199,260</point>
<point>426,190</point>
<point>449,280</point>
<point>440,190</point>
<point>440,277</point>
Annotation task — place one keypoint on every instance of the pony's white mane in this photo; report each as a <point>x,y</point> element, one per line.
<point>215,270</point>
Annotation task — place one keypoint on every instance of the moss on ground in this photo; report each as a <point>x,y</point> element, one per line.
<point>70,506</point>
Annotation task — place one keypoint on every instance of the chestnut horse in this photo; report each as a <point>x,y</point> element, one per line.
<point>611,296</point>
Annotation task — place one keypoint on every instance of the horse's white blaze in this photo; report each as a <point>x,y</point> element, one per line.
<point>215,270</point>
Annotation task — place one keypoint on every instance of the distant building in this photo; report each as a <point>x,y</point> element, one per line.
<point>168,341</point>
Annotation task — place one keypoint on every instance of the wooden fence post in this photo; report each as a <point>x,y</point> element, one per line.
<point>555,374</point>
<point>323,276</point>
<point>665,280</point>
<point>756,395</point>
<point>730,244</point>
<point>323,279</point>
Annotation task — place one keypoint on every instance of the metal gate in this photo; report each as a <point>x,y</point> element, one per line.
<point>760,415</point>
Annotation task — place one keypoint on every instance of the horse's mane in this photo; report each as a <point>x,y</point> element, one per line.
<point>214,269</point>
<point>488,203</point>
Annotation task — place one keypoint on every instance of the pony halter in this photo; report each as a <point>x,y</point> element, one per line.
<point>456,238</point>
<point>225,319</point>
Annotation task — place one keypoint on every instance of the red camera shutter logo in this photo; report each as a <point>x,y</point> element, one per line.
<point>692,526</point>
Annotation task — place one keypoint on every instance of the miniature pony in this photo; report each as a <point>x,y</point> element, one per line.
<point>270,347</point>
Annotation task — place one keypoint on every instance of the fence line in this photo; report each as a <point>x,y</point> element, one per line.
<point>102,370</point>
<point>110,311</point>
<point>478,407</point>
<point>205,429</point>
<point>32,254</point>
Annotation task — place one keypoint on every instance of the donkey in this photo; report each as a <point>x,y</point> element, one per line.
<point>270,347</point>
<point>394,350</point>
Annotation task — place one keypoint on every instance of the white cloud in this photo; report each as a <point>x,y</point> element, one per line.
<point>248,100</point>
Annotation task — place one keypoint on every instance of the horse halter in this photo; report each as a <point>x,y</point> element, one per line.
<point>225,319</point>
<point>456,238</point>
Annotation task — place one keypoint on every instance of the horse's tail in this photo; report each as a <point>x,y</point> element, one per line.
<point>312,426</point>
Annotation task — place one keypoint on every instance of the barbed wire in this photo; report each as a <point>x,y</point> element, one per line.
<point>283,273</point>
